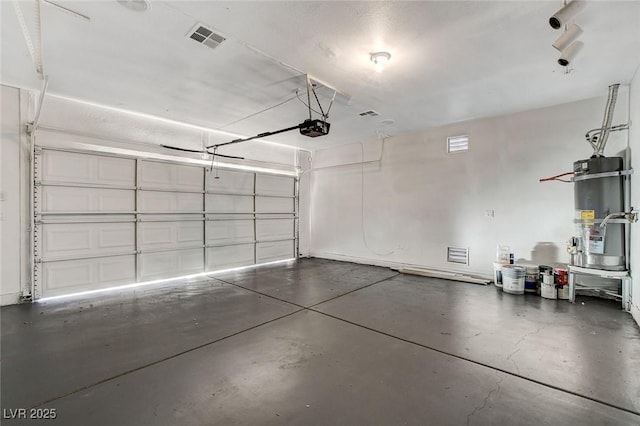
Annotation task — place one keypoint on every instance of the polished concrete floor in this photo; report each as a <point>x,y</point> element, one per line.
<point>320,342</point>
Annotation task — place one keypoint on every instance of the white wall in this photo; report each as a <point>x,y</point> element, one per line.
<point>126,130</point>
<point>304,161</point>
<point>10,235</point>
<point>418,200</point>
<point>634,142</point>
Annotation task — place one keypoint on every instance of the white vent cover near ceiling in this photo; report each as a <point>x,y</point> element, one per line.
<point>458,255</point>
<point>370,113</point>
<point>457,143</point>
<point>206,36</point>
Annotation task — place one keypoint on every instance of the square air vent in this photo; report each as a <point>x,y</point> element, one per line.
<point>206,36</point>
<point>457,144</point>
<point>370,113</point>
<point>458,255</point>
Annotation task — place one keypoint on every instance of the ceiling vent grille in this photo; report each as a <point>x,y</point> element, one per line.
<point>206,36</point>
<point>370,113</point>
<point>458,255</point>
<point>457,144</point>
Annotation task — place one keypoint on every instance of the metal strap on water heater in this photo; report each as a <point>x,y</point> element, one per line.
<point>598,221</point>
<point>601,175</point>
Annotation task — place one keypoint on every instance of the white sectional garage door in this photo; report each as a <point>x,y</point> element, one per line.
<point>104,221</point>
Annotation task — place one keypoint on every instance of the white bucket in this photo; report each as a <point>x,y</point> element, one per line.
<point>513,279</point>
<point>548,290</point>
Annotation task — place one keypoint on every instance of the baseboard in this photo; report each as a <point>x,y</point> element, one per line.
<point>635,312</point>
<point>9,299</point>
<point>392,264</point>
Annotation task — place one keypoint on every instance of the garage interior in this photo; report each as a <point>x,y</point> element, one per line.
<point>288,212</point>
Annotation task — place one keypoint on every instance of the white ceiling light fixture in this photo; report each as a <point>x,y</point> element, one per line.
<point>136,5</point>
<point>566,13</point>
<point>567,37</point>
<point>380,59</point>
<point>566,43</point>
<point>569,54</point>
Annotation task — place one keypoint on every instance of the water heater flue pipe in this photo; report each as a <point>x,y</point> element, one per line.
<point>606,121</point>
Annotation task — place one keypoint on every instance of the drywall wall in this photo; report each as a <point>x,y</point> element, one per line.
<point>304,207</point>
<point>634,143</point>
<point>10,232</point>
<point>121,128</point>
<point>418,200</point>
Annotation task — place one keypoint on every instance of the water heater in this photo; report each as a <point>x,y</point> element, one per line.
<point>599,193</point>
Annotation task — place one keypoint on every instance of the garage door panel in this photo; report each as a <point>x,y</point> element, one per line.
<point>229,231</point>
<point>274,205</point>
<point>157,201</point>
<point>69,199</point>
<point>271,251</point>
<point>230,216</point>
<point>116,171</point>
<point>64,240</point>
<point>89,218</point>
<point>229,257</point>
<point>171,176</point>
<point>229,203</point>
<point>274,229</point>
<point>274,185</point>
<point>105,221</point>
<point>76,168</point>
<point>87,274</point>
<point>169,217</point>
<point>168,264</point>
<point>161,235</point>
<point>230,181</point>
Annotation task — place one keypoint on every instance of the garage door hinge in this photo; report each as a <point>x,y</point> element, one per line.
<point>38,260</point>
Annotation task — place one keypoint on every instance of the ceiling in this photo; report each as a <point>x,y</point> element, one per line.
<point>451,60</point>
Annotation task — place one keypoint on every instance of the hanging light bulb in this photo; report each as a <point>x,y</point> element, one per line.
<point>380,59</point>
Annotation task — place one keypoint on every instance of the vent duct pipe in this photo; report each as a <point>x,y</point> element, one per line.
<point>606,120</point>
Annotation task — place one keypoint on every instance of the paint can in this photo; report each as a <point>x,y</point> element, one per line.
<point>531,279</point>
<point>561,279</point>
<point>548,289</point>
<point>513,279</point>
<point>563,291</point>
<point>497,274</point>
<point>544,269</point>
<point>561,276</point>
